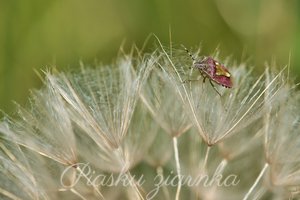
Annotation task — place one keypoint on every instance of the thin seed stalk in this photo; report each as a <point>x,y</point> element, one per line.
<point>90,182</point>
<point>176,154</point>
<point>206,158</point>
<point>256,181</point>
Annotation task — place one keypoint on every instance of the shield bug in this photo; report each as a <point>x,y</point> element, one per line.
<point>213,71</point>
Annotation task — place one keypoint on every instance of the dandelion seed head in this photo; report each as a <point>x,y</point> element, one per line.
<point>115,118</point>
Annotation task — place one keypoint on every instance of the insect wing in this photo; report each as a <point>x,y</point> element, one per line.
<point>222,76</point>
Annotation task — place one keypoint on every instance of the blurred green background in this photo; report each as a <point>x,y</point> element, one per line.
<point>36,34</point>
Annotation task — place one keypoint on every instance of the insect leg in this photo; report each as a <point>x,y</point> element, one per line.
<point>215,88</point>
<point>203,75</point>
<point>190,80</point>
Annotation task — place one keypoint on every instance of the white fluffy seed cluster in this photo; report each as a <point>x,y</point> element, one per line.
<point>137,129</point>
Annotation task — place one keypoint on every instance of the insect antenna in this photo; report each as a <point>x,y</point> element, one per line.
<point>192,57</point>
<point>188,52</point>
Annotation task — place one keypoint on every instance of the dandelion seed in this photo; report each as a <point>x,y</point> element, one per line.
<point>235,147</point>
<point>141,133</point>
<point>280,91</point>
<point>17,178</point>
<point>283,143</point>
<point>102,101</point>
<point>45,127</point>
<point>163,102</point>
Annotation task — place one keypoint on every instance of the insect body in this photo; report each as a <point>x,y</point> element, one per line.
<point>213,70</point>
<point>210,68</point>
